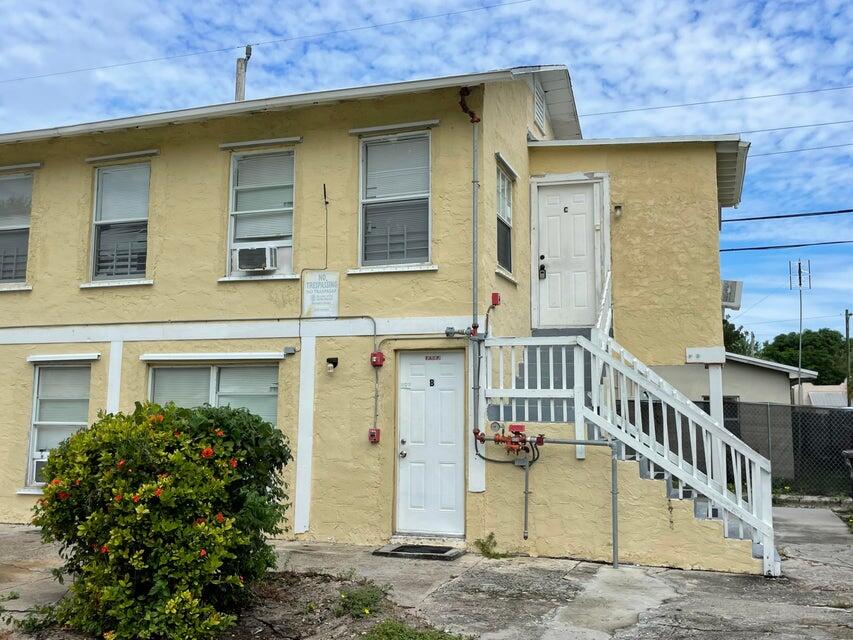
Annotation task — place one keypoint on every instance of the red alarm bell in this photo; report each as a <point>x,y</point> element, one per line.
<point>373,435</point>
<point>377,358</point>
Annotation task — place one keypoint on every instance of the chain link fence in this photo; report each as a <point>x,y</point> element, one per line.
<point>804,444</point>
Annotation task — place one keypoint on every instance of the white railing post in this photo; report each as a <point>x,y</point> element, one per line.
<point>580,393</point>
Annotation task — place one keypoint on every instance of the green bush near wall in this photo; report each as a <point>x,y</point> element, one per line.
<point>162,515</point>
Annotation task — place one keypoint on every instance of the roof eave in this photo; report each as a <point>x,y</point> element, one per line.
<point>792,372</point>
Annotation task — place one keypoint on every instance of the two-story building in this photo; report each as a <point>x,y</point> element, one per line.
<point>328,259</point>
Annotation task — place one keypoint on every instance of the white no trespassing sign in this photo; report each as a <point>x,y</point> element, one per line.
<point>320,294</point>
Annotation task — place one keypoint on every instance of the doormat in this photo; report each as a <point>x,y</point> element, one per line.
<point>419,551</point>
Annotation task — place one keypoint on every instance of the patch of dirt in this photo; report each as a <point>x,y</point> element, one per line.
<point>291,606</point>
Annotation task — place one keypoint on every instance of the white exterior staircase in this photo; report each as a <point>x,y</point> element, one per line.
<point>609,394</point>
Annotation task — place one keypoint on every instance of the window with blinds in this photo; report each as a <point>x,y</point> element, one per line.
<point>251,387</point>
<point>121,222</point>
<point>16,193</point>
<point>504,202</point>
<point>262,206</point>
<point>61,408</point>
<point>395,200</point>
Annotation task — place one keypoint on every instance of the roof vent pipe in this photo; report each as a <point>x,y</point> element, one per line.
<point>240,87</point>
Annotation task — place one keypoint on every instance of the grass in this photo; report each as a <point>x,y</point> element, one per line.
<point>395,630</point>
<point>488,547</point>
<point>361,601</point>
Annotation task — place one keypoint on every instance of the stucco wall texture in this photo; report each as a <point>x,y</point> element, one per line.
<point>669,221</point>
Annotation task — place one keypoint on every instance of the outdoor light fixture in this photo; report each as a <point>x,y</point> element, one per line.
<point>617,210</point>
<point>331,364</point>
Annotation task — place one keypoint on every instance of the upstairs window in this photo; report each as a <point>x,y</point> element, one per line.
<point>16,193</point>
<point>61,408</point>
<point>121,222</point>
<point>504,201</point>
<point>250,387</point>
<point>262,210</point>
<point>395,200</point>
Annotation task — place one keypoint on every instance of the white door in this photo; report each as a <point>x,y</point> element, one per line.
<point>430,448</point>
<point>567,252</point>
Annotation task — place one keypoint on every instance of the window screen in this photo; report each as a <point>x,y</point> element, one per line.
<point>61,408</point>
<point>15,204</point>
<point>504,206</point>
<point>262,205</point>
<point>121,222</point>
<point>395,201</point>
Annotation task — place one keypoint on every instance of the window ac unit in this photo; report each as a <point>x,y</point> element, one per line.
<point>732,291</point>
<point>257,259</point>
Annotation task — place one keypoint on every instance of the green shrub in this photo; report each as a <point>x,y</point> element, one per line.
<point>162,515</point>
<point>395,630</point>
<point>361,601</point>
<point>488,547</point>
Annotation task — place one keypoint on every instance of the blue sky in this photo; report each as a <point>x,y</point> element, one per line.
<point>620,55</point>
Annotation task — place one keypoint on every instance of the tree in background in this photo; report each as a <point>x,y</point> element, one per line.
<point>824,351</point>
<point>738,340</point>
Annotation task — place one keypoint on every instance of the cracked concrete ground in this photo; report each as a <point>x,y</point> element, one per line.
<point>558,599</point>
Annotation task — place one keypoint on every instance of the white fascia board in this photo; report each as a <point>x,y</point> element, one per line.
<point>262,105</point>
<point>211,357</point>
<point>65,357</point>
<point>768,364</point>
<point>596,142</point>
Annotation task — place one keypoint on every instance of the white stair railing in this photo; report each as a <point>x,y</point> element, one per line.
<point>543,379</point>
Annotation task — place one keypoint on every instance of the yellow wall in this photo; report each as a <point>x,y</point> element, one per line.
<point>664,247</point>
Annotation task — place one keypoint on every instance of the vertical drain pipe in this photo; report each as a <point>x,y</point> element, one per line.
<point>614,506</point>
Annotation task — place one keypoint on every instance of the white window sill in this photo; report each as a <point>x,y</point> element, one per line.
<point>30,491</point>
<point>276,276</point>
<point>506,275</point>
<point>392,268</point>
<point>15,286</point>
<point>116,283</point>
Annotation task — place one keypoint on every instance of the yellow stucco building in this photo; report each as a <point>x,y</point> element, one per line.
<point>328,261</point>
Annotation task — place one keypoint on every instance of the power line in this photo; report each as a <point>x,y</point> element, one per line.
<point>807,214</point>
<point>720,101</point>
<point>189,54</point>
<point>750,308</point>
<point>834,315</point>
<point>787,246</point>
<point>776,153</point>
<point>796,126</point>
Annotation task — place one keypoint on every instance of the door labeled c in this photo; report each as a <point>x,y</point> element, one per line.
<point>430,444</point>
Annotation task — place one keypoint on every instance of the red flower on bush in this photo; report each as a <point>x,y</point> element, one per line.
<point>64,495</point>
<point>232,463</point>
<point>117,498</point>
<point>219,433</point>
<point>120,463</point>
<point>158,491</point>
<point>156,418</point>
<point>105,549</point>
<point>56,481</point>
<point>202,553</point>
<point>135,498</point>
<point>220,518</point>
<point>207,452</point>
<point>199,520</point>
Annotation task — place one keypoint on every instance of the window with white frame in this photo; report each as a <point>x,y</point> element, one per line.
<point>121,222</point>
<point>504,201</point>
<point>16,194</point>
<point>253,387</point>
<point>262,208</point>
<point>60,408</point>
<point>395,200</point>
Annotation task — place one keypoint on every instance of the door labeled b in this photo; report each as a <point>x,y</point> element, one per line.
<point>430,444</point>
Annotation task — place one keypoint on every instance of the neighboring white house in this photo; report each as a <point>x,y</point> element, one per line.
<point>821,395</point>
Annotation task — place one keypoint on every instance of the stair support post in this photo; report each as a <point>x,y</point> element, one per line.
<point>579,397</point>
<point>614,501</point>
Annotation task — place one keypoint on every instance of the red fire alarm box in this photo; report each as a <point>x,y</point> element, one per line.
<point>496,298</point>
<point>373,435</point>
<point>377,358</point>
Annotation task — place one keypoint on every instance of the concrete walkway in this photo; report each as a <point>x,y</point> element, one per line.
<point>548,599</point>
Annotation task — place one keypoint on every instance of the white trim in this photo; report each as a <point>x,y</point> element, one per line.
<point>65,357</point>
<point>275,276</point>
<point>230,329</point>
<point>706,355</point>
<point>767,364</point>
<point>260,143</point>
<point>97,284</point>
<point>212,357</point>
<point>596,142</point>
<point>21,167</point>
<point>30,491</point>
<point>15,286</point>
<point>600,182</point>
<point>392,268</point>
<point>145,153</point>
<point>386,128</point>
<point>305,436</point>
<point>114,376</point>
<point>506,275</point>
<point>506,165</point>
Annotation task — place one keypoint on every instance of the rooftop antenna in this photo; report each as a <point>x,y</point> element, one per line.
<point>800,276</point>
<point>242,63</point>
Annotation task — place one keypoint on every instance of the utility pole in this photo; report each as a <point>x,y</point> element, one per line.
<point>800,277</point>
<point>240,86</point>
<point>847,315</point>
